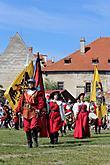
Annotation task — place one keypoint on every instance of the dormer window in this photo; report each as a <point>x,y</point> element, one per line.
<point>95,61</point>
<point>67,60</point>
<point>109,61</point>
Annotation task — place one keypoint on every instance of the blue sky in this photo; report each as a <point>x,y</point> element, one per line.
<point>54,27</point>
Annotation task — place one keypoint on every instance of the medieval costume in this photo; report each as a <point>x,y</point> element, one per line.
<point>68,115</point>
<point>98,121</point>
<point>30,105</point>
<point>82,123</point>
<point>56,118</point>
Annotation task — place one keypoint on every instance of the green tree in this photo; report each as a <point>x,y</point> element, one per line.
<point>50,85</point>
<point>1,86</point>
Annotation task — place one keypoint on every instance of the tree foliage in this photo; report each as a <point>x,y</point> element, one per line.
<point>50,85</point>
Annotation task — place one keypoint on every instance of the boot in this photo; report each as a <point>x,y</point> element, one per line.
<point>29,139</point>
<point>99,129</point>
<point>35,136</point>
<point>56,138</point>
<point>51,138</point>
<point>16,126</point>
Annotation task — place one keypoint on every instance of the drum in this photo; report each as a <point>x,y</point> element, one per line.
<point>92,116</point>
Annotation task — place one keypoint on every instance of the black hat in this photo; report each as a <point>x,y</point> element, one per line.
<point>81,94</point>
<point>54,93</point>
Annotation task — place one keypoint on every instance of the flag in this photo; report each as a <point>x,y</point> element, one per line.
<point>97,95</point>
<point>42,120</point>
<point>12,94</point>
<point>38,75</point>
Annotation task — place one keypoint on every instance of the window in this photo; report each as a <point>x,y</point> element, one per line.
<point>108,61</point>
<point>67,61</point>
<point>88,87</point>
<point>60,85</point>
<point>95,61</point>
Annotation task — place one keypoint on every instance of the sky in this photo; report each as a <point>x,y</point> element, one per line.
<point>54,27</point>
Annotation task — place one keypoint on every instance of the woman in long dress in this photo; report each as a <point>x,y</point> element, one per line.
<point>82,123</point>
<point>56,118</point>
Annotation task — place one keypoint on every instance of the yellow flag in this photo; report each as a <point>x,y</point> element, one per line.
<point>14,91</point>
<point>97,95</point>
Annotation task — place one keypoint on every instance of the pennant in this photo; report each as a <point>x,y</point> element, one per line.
<point>97,95</point>
<point>12,94</point>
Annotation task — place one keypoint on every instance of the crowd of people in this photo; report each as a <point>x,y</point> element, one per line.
<point>51,115</point>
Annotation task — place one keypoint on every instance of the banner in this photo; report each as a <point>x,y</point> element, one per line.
<point>38,75</point>
<point>17,87</point>
<point>97,95</point>
<point>42,120</point>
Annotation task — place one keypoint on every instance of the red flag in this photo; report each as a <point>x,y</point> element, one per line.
<point>42,120</point>
<point>38,75</point>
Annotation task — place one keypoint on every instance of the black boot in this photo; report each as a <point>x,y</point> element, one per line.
<point>29,139</point>
<point>52,138</point>
<point>35,136</point>
<point>56,138</point>
<point>16,126</point>
<point>99,129</point>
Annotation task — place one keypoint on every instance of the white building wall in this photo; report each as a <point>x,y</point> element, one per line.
<point>75,82</point>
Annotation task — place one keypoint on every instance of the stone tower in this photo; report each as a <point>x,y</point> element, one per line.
<point>13,60</point>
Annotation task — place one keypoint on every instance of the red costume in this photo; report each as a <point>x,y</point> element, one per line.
<point>30,105</point>
<point>55,121</point>
<point>98,122</point>
<point>68,116</point>
<point>82,123</point>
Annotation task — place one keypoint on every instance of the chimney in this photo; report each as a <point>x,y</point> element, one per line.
<point>82,45</point>
<point>53,59</point>
<point>30,49</point>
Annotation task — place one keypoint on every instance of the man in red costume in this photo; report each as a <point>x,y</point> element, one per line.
<point>30,105</point>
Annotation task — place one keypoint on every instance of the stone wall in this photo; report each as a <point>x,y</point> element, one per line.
<point>75,82</point>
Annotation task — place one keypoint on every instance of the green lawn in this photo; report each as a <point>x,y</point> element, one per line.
<point>69,151</point>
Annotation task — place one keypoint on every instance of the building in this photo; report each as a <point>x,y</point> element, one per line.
<point>15,58</point>
<point>75,72</point>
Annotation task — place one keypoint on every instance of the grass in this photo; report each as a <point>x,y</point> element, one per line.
<point>69,151</point>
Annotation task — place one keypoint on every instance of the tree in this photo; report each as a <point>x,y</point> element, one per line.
<point>50,84</point>
<point>1,86</point>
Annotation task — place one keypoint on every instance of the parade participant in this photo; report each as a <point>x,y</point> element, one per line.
<point>75,107</point>
<point>7,116</point>
<point>81,112</point>
<point>97,121</point>
<point>30,105</point>
<point>56,118</point>
<point>1,116</point>
<point>16,116</point>
<point>47,96</point>
<point>82,123</point>
<point>68,115</point>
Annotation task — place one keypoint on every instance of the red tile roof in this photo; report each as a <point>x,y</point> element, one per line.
<point>100,48</point>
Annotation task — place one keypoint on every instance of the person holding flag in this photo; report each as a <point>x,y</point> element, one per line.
<point>23,97</point>
<point>30,105</point>
<point>97,97</point>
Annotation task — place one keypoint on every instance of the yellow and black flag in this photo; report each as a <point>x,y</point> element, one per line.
<point>14,91</point>
<point>97,95</point>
